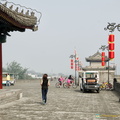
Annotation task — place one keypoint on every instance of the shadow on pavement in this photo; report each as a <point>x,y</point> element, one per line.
<point>40,103</point>
<point>91,91</point>
<point>77,91</point>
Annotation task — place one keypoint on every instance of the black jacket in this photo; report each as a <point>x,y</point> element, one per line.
<point>45,84</point>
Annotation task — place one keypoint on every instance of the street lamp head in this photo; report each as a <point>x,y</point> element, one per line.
<point>103,47</point>
<point>72,56</point>
<point>112,26</point>
<point>118,27</point>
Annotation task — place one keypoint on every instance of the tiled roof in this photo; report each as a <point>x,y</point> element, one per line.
<point>18,19</point>
<point>96,57</point>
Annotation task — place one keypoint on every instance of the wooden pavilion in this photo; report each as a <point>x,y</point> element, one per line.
<point>14,17</point>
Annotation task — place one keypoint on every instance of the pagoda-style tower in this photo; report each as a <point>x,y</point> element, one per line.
<point>95,65</point>
<point>14,17</point>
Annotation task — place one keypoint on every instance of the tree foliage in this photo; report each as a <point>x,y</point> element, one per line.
<point>4,69</point>
<point>16,68</point>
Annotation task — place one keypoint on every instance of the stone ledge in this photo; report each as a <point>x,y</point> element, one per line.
<point>117,86</point>
<point>16,102</point>
<point>7,95</point>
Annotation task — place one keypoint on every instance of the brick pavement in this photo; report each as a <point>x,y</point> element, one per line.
<point>63,104</point>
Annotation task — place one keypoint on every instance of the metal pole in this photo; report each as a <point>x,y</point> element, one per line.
<point>78,72</point>
<point>108,65</point>
<point>0,65</point>
<point>108,71</point>
<point>75,69</point>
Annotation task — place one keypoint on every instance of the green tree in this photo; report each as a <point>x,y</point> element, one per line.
<point>4,69</point>
<point>16,68</point>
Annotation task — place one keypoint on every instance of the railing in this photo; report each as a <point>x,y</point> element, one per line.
<point>98,68</point>
<point>116,85</point>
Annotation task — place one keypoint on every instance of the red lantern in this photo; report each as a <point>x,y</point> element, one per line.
<point>72,63</point>
<point>71,67</point>
<point>77,58</point>
<point>71,60</point>
<point>76,66</point>
<point>111,38</point>
<point>103,63</point>
<point>103,58</point>
<point>103,54</point>
<point>111,54</point>
<point>111,46</point>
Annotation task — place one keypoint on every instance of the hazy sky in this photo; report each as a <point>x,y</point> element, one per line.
<point>65,25</point>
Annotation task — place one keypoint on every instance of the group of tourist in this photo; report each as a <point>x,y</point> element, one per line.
<point>68,80</point>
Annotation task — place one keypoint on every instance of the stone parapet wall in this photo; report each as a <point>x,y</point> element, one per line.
<point>116,86</point>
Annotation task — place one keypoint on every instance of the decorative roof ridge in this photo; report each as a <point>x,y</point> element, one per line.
<point>25,19</point>
<point>33,11</point>
<point>18,17</point>
<point>20,13</point>
<point>93,57</point>
<point>97,53</point>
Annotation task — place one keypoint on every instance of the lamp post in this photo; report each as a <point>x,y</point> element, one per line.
<point>75,61</point>
<point>112,26</point>
<point>103,48</point>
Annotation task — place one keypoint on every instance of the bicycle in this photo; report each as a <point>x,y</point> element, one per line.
<point>106,86</point>
<point>109,86</point>
<point>103,86</point>
<point>67,85</point>
<point>58,84</point>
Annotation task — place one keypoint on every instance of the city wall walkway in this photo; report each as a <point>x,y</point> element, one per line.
<point>9,95</point>
<point>63,104</point>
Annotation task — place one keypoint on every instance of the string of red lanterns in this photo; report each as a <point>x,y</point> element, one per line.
<point>75,65</point>
<point>103,58</point>
<point>111,46</point>
<point>72,63</point>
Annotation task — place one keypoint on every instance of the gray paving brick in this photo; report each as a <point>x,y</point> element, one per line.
<point>63,104</point>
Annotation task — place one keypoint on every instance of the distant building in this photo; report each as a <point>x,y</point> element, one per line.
<point>95,65</point>
<point>32,75</point>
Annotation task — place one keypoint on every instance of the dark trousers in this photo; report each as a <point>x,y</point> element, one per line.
<point>44,94</point>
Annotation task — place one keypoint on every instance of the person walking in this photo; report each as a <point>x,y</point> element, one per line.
<point>44,87</point>
<point>70,78</point>
<point>8,80</point>
<point>61,80</point>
